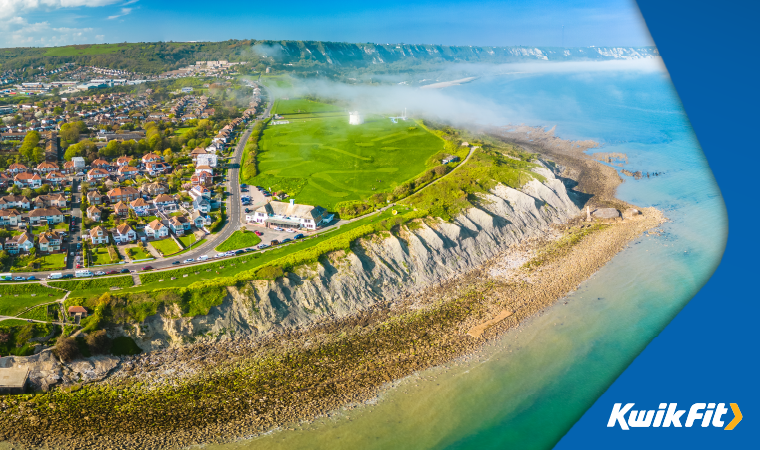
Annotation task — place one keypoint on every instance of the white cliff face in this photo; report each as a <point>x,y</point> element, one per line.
<point>378,268</point>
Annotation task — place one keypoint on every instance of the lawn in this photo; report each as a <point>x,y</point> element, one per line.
<point>54,261</point>
<point>135,253</point>
<point>39,313</point>
<point>166,246</point>
<point>324,160</point>
<point>239,240</point>
<point>187,240</point>
<point>49,262</point>
<point>302,106</point>
<point>100,256</point>
<point>16,298</point>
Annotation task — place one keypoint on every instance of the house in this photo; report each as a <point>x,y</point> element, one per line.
<point>101,164</point>
<point>5,180</point>
<point>77,312</point>
<point>177,225</point>
<point>210,160</point>
<point>139,206</point>
<point>69,167</point>
<point>127,172</point>
<point>123,194</point>
<point>123,161</point>
<point>202,204</point>
<point>79,163</point>
<point>15,201</point>
<point>45,215</point>
<point>196,153</point>
<point>97,174</point>
<point>98,235</point>
<point>55,177</point>
<point>202,179</point>
<point>56,200</point>
<point>164,201</point>
<point>156,230</point>
<point>157,168</point>
<point>290,215</point>
<point>200,191</point>
<point>155,188</point>
<point>204,168</point>
<point>50,241</point>
<point>199,219</point>
<point>121,209</point>
<point>28,179</point>
<point>20,243</point>
<point>449,159</point>
<point>95,197</point>
<point>94,213</point>
<point>9,217</point>
<point>17,168</point>
<point>46,167</point>
<point>150,157</point>
<point>123,233</point>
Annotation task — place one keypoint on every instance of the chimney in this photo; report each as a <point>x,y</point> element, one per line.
<point>292,201</point>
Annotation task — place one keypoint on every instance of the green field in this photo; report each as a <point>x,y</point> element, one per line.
<point>301,106</point>
<point>18,297</point>
<point>323,160</point>
<point>239,240</point>
<point>166,246</point>
<point>277,81</point>
<point>187,240</point>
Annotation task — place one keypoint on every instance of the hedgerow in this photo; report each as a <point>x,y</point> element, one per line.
<point>94,283</point>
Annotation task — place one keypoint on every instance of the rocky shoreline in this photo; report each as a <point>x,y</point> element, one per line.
<point>234,387</point>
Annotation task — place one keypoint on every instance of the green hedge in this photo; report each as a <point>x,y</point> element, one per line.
<point>93,283</point>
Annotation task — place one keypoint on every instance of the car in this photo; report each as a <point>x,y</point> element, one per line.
<point>298,236</point>
<point>290,230</point>
<point>31,278</point>
<point>111,272</point>
<point>237,252</point>
<point>99,273</point>
<point>247,210</point>
<point>277,229</point>
<point>220,255</point>
<point>78,266</point>
<point>203,258</point>
<point>188,260</point>
<point>175,263</point>
<point>19,279</point>
<point>274,242</point>
<point>124,271</point>
<point>147,268</point>
<point>258,233</point>
<point>67,275</point>
<point>243,185</point>
<point>285,240</point>
<point>262,245</point>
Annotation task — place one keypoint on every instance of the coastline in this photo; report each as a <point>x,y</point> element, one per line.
<point>389,341</point>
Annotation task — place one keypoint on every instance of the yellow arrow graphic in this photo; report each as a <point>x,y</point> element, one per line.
<point>737,417</point>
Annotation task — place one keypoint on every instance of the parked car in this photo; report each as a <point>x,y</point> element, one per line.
<point>99,273</point>
<point>124,270</point>
<point>19,279</point>
<point>247,210</point>
<point>111,272</point>
<point>290,230</point>
<point>203,258</point>
<point>262,245</point>
<point>31,278</point>
<point>175,263</point>
<point>78,266</point>
<point>237,252</point>
<point>147,268</point>
<point>274,242</point>
<point>67,275</point>
<point>298,236</point>
<point>285,240</point>
<point>188,260</point>
<point>220,255</point>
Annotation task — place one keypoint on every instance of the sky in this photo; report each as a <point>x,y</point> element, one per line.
<point>37,23</point>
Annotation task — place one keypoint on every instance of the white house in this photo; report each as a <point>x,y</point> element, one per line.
<point>79,163</point>
<point>21,242</point>
<point>208,159</point>
<point>28,179</point>
<point>9,217</point>
<point>50,241</point>
<point>124,233</point>
<point>290,215</point>
<point>156,230</point>
<point>98,235</point>
<point>49,215</point>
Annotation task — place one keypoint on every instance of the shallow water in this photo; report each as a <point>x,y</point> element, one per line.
<point>528,389</point>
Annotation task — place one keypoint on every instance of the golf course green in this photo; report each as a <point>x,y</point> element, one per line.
<point>319,159</point>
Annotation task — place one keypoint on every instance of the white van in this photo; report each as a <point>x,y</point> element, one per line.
<point>82,273</point>
<point>55,276</point>
<point>203,258</point>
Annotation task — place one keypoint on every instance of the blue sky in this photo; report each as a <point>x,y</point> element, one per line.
<point>511,22</point>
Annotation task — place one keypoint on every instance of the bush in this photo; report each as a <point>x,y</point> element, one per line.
<point>269,273</point>
<point>98,342</point>
<point>353,208</point>
<point>124,346</point>
<point>93,283</point>
<point>66,349</point>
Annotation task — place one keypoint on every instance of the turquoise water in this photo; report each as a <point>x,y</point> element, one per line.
<point>527,390</point>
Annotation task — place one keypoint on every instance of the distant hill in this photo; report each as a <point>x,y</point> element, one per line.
<point>158,57</point>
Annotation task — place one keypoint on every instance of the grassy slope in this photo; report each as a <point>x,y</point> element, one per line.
<point>16,298</point>
<point>166,246</point>
<point>323,160</point>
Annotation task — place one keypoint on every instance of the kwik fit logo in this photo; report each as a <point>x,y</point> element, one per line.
<point>668,415</point>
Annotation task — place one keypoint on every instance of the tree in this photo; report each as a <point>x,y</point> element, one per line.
<point>98,342</point>
<point>27,192</point>
<point>67,349</point>
<point>15,190</point>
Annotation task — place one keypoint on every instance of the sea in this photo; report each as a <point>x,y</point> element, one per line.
<point>528,389</point>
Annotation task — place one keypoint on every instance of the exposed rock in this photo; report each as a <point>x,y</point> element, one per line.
<point>606,213</point>
<point>631,213</point>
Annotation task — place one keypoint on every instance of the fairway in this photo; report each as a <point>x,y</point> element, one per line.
<point>321,160</point>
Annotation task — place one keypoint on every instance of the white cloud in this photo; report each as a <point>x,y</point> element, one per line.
<point>12,8</point>
<point>124,12</point>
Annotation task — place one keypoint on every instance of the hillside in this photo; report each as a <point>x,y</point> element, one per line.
<point>158,57</point>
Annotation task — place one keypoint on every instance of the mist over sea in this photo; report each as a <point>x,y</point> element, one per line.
<point>528,389</point>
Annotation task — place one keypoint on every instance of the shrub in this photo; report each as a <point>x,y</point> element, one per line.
<point>66,349</point>
<point>98,342</point>
<point>269,273</point>
<point>353,208</point>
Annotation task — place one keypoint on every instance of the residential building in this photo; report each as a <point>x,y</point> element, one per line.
<point>151,157</point>
<point>123,233</point>
<point>123,194</point>
<point>121,209</point>
<point>199,219</point>
<point>9,217</point>
<point>79,163</point>
<point>196,153</point>
<point>123,161</point>
<point>155,188</point>
<point>15,201</point>
<point>156,230</point>
<point>140,207</point>
<point>17,168</point>
<point>46,167</point>
<point>45,215</point>
<point>201,169</point>
<point>97,174</point>
<point>55,177</point>
<point>210,160</point>
<point>290,215</point>
<point>202,204</point>
<point>94,213</point>
<point>98,235</point>
<point>165,201</point>
<point>50,241</point>
<point>101,164</point>
<point>127,172</point>
<point>28,179</point>
<point>202,179</point>
<point>20,243</point>
<point>56,200</point>
<point>95,197</point>
<point>177,225</point>
<point>157,168</point>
